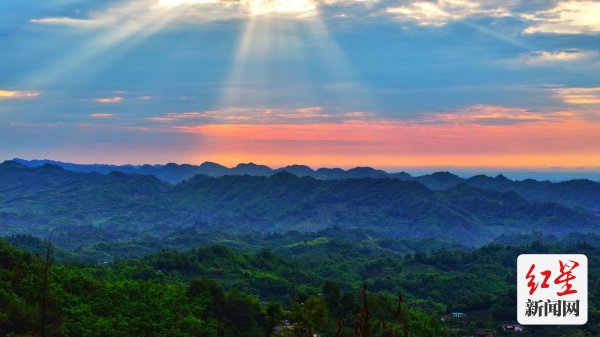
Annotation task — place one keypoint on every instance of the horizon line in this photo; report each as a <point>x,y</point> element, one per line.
<point>389,169</point>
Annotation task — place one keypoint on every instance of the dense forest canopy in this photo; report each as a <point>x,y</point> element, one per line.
<point>217,291</point>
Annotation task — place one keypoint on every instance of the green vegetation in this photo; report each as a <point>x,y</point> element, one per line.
<point>133,300</point>
<point>120,207</point>
<point>572,193</point>
<point>274,256</point>
<point>217,291</point>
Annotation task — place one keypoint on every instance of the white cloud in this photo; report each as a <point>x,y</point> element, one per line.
<point>564,17</point>
<point>262,116</point>
<point>567,17</point>
<point>109,100</point>
<point>73,22</point>
<point>289,7</point>
<point>191,11</point>
<point>491,115</point>
<point>175,3</point>
<point>441,12</point>
<point>554,57</point>
<point>102,115</point>
<point>12,94</point>
<point>580,96</point>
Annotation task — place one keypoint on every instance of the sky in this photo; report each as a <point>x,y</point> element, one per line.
<point>404,84</point>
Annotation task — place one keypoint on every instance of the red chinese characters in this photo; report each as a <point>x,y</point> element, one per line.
<point>552,289</point>
<point>566,275</point>
<point>564,278</point>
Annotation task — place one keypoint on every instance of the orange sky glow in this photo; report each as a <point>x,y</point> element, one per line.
<point>571,144</point>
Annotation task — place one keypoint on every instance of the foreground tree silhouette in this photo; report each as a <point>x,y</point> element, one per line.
<point>401,315</point>
<point>50,312</point>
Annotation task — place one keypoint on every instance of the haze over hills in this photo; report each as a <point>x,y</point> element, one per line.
<point>572,193</point>
<point>176,173</point>
<point>94,207</point>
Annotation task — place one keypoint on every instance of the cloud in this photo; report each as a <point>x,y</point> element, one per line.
<point>562,17</point>
<point>435,13</point>
<point>175,3</point>
<point>132,10</point>
<point>101,115</point>
<point>566,17</point>
<point>261,116</point>
<point>190,11</point>
<point>580,96</point>
<point>441,12</point>
<point>492,115</point>
<point>161,119</point>
<point>553,57</point>
<point>301,8</point>
<point>11,94</point>
<point>109,100</point>
<point>478,114</point>
<point>475,135</point>
<point>73,22</point>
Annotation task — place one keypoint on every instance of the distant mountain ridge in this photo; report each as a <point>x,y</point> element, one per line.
<point>176,173</point>
<point>571,193</point>
<point>94,207</point>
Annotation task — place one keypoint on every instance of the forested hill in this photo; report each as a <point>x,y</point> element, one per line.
<point>118,206</point>
<point>572,193</point>
<point>215,291</point>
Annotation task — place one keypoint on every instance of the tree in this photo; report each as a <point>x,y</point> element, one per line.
<point>331,295</point>
<point>274,315</point>
<point>309,316</point>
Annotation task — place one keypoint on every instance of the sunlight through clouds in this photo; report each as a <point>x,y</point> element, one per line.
<point>300,8</point>
<point>175,3</point>
<point>567,17</point>
<point>265,48</point>
<point>331,75</point>
<point>256,7</point>
<point>131,23</point>
<point>271,63</point>
<point>441,12</point>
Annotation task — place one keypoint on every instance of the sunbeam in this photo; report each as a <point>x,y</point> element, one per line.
<point>214,72</point>
<point>271,62</point>
<point>280,38</point>
<point>300,8</point>
<point>499,36</point>
<point>132,23</point>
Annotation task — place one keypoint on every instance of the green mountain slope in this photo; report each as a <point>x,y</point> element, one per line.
<point>92,207</point>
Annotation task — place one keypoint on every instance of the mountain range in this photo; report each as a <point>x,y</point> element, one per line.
<point>80,208</point>
<point>571,193</point>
